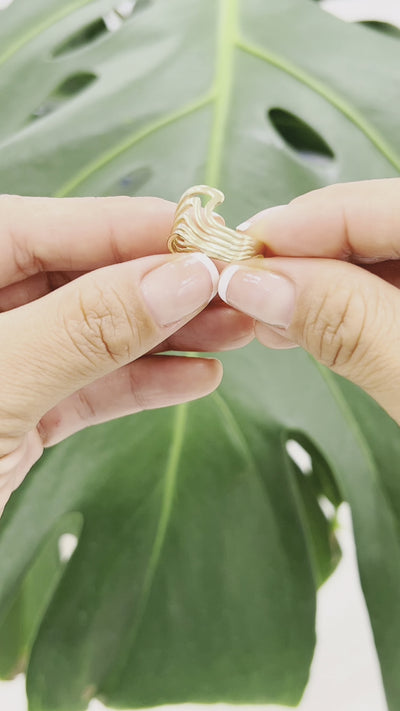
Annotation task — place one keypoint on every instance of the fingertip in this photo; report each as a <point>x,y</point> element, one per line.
<point>270,228</point>
<point>252,222</point>
<point>209,372</point>
<point>339,221</point>
<point>218,369</point>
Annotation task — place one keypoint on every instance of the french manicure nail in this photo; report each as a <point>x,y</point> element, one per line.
<point>244,226</point>
<point>262,294</point>
<point>179,288</point>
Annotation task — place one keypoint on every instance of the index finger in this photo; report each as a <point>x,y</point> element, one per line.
<point>356,221</point>
<point>80,234</point>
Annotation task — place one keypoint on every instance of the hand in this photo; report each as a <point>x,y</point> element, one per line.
<point>334,288</point>
<point>80,301</point>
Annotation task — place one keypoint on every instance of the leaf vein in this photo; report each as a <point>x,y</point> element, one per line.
<point>329,95</point>
<point>41,27</point>
<point>129,142</point>
<point>171,471</point>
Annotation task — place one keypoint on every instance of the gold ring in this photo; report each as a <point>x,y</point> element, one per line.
<point>197,229</point>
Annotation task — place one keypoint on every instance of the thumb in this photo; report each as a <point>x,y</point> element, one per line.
<point>346,317</point>
<point>95,324</point>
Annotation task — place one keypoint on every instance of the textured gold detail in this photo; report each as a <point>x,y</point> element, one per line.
<point>197,229</point>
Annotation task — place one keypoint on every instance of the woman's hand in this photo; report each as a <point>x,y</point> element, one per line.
<point>80,301</point>
<point>334,288</point>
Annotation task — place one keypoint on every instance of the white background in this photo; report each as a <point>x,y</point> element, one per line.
<point>345,673</point>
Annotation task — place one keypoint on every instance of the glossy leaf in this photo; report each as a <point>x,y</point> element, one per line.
<point>200,544</point>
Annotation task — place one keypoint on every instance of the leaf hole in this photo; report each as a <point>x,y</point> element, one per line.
<point>110,22</point>
<point>299,456</point>
<point>313,464</point>
<point>70,87</point>
<point>33,592</point>
<point>75,84</point>
<point>130,183</point>
<point>116,17</point>
<point>300,136</point>
<point>327,508</point>
<point>384,27</point>
<point>86,35</point>
<point>66,546</point>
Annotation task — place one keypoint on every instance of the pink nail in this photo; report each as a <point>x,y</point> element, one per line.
<point>180,288</point>
<point>267,297</point>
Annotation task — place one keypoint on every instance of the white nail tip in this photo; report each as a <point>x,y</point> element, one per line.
<point>210,266</point>
<point>225,279</point>
<point>244,226</point>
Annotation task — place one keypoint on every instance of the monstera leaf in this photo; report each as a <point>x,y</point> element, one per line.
<point>200,543</point>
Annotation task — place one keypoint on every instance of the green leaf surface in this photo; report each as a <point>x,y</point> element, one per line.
<point>200,545</point>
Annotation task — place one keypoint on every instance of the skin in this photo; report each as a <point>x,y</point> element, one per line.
<point>339,250</point>
<point>80,321</point>
<point>81,341</point>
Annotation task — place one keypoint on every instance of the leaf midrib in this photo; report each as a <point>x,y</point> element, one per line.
<point>223,83</point>
<point>171,471</point>
<point>180,423</point>
<point>175,451</point>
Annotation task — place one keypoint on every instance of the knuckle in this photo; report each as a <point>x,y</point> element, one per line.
<point>334,328</point>
<point>26,263</point>
<point>108,218</point>
<point>84,406</point>
<point>20,252</point>
<point>103,328</point>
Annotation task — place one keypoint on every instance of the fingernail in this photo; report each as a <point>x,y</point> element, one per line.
<point>180,287</point>
<point>267,297</point>
<point>244,226</point>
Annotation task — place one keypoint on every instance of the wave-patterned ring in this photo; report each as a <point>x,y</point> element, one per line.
<point>197,229</point>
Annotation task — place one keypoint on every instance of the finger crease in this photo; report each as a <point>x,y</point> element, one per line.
<point>87,406</point>
<point>347,249</point>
